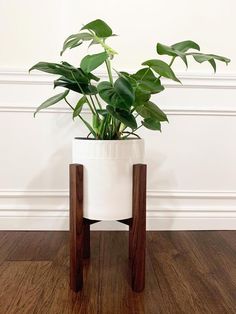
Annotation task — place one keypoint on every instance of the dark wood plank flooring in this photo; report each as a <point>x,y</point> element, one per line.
<point>186,272</point>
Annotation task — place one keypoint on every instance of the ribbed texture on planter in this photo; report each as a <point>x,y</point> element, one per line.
<point>108,175</point>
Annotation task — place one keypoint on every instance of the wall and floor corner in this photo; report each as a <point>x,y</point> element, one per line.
<point>192,168</point>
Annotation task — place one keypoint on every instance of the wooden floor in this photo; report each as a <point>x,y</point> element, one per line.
<point>187,272</point>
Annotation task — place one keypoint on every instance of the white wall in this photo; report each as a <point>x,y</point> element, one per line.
<point>192,163</point>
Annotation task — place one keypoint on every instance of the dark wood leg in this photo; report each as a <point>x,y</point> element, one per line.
<point>86,247</point>
<point>137,229</point>
<point>80,228</point>
<point>76,227</point>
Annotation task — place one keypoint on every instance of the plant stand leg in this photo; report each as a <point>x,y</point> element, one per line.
<point>137,229</point>
<point>86,244</point>
<point>76,227</point>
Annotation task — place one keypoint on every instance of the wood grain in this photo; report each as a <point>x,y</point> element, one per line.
<point>86,241</point>
<point>186,272</point>
<point>76,227</point>
<point>137,229</point>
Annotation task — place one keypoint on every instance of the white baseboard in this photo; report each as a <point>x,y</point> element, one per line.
<point>61,224</point>
<point>166,210</point>
<point>58,220</point>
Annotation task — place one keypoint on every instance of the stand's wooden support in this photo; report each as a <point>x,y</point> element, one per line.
<point>80,228</point>
<point>76,227</point>
<point>137,229</point>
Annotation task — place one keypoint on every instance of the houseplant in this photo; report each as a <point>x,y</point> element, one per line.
<point>119,107</point>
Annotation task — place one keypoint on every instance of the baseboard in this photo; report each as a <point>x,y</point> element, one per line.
<point>60,221</point>
<point>166,210</point>
<point>207,80</point>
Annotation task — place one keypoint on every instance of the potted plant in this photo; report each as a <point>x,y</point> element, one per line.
<point>119,107</point>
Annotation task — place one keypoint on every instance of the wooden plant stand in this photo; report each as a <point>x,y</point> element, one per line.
<point>80,228</point>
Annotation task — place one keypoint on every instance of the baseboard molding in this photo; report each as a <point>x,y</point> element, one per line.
<point>11,80</point>
<point>181,111</point>
<point>189,79</point>
<point>166,210</point>
<point>189,194</point>
<point>61,222</point>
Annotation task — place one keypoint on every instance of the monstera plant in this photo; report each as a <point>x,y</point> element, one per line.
<point>122,104</point>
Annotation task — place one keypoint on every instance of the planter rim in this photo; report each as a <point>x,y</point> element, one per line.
<point>120,140</point>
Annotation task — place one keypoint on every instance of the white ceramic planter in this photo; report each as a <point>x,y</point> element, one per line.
<point>108,172</point>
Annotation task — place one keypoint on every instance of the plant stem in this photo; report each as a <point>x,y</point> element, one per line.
<point>108,65</point>
<point>101,41</point>
<point>90,106</point>
<point>94,107</point>
<point>99,104</point>
<point>85,122</point>
<point>129,133</point>
<point>69,104</point>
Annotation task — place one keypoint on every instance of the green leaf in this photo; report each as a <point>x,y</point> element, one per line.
<point>144,74</point>
<point>76,86</point>
<point>184,46</point>
<point>201,57</point>
<point>162,68</point>
<point>123,116</point>
<point>150,87</point>
<point>170,51</point>
<point>100,28</point>
<point>75,40</point>
<point>141,97</point>
<point>96,122</point>
<point>178,49</point>
<point>51,101</point>
<point>147,82</point>
<point>104,126</point>
<point>121,95</point>
<point>92,77</point>
<point>79,106</point>
<point>91,62</point>
<point>88,126</point>
<point>48,67</point>
<point>65,69</point>
<point>151,124</point>
<point>213,64</point>
<point>151,110</point>
<point>102,112</point>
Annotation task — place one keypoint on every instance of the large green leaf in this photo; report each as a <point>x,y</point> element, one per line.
<point>151,124</point>
<point>141,97</point>
<point>76,86</point>
<point>178,49</point>
<point>151,110</point>
<point>91,62</point>
<point>170,51</point>
<point>79,74</point>
<point>64,69</point>
<point>147,82</point>
<point>184,46</point>
<point>49,67</point>
<point>75,40</point>
<point>79,106</point>
<point>51,101</point>
<point>100,28</point>
<point>162,68</point>
<point>144,74</point>
<point>121,95</point>
<point>201,57</point>
<point>123,116</point>
<point>150,87</point>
